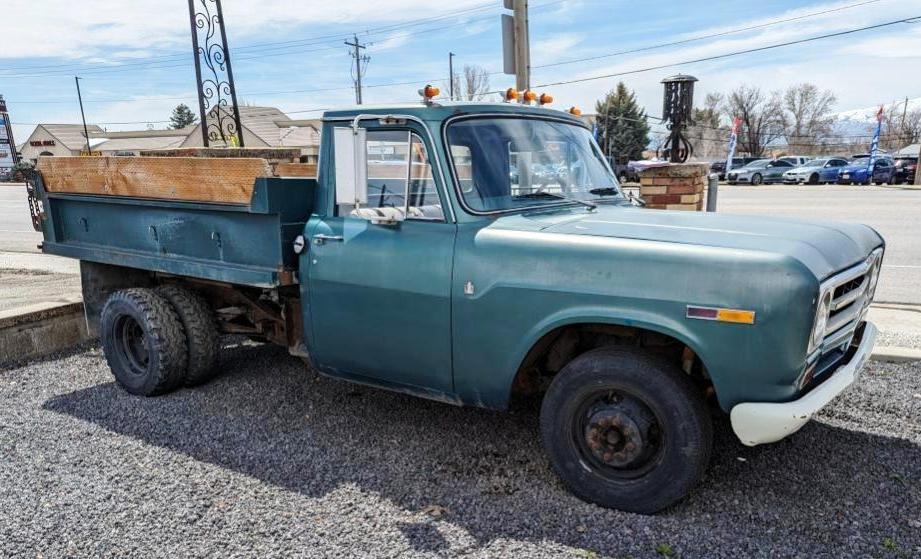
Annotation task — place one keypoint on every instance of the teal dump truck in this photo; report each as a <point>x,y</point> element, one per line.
<point>475,254</point>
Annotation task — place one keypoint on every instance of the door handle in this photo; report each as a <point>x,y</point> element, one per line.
<point>320,238</point>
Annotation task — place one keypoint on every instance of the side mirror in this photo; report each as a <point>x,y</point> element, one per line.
<point>351,158</point>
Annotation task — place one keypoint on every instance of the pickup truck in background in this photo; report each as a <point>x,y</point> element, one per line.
<point>428,257</point>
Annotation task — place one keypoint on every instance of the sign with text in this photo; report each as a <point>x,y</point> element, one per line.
<point>6,144</point>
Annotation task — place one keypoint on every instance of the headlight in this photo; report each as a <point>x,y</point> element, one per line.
<point>821,320</point>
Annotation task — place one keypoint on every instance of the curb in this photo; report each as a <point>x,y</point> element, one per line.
<point>39,330</point>
<point>891,354</point>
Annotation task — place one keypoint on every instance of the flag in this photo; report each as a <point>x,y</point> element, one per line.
<point>874,145</point>
<point>733,140</point>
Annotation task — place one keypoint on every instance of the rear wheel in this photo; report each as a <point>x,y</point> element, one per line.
<point>144,342</point>
<point>757,179</point>
<point>626,430</point>
<point>202,336</point>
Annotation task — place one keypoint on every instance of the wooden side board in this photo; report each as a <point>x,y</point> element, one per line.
<point>296,170</point>
<point>197,179</point>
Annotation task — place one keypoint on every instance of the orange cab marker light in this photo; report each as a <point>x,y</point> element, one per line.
<point>511,94</point>
<point>575,111</point>
<point>735,316</point>
<point>430,91</point>
<point>545,99</point>
<point>529,96</point>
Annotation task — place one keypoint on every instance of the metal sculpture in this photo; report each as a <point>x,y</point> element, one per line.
<point>217,96</point>
<point>676,112</point>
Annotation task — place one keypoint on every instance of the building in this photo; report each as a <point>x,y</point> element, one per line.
<point>57,140</point>
<point>133,142</point>
<point>269,127</point>
<point>262,127</point>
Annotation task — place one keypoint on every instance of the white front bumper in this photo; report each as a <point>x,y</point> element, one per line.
<point>760,422</point>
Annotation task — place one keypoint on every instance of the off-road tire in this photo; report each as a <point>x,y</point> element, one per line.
<point>202,336</point>
<point>683,424</point>
<point>757,179</point>
<point>157,363</point>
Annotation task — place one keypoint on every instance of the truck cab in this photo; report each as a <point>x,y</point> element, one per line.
<point>484,254</point>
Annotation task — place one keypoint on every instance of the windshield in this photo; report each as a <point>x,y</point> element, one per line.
<point>509,163</point>
<point>759,163</point>
<point>816,163</point>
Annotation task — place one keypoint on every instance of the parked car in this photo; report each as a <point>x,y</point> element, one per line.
<point>719,167</point>
<point>762,171</point>
<point>905,168</point>
<point>797,160</point>
<point>816,171</point>
<point>856,172</point>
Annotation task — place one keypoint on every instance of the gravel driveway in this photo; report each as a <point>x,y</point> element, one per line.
<point>274,461</point>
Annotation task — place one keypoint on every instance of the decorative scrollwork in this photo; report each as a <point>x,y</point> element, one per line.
<point>217,96</point>
<point>676,112</point>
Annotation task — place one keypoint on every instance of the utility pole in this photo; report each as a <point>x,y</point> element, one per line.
<point>86,132</point>
<point>451,75</point>
<point>516,48</point>
<point>359,60</point>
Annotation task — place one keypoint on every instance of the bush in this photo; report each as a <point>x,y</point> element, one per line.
<point>22,172</point>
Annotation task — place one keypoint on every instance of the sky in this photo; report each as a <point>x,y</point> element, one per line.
<point>136,64</point>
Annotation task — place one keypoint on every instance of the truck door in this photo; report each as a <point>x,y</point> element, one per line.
<point>380,295</point>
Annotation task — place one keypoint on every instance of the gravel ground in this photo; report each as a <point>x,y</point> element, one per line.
<point>272,460</point>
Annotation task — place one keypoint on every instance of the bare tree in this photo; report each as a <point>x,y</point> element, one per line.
<point>761,114</point>
<point>901,127</point>
<point>476,82</point>
<point>807,118</point>
<point>707,133</point>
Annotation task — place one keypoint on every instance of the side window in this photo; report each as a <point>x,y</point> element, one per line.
<point>400,175</point>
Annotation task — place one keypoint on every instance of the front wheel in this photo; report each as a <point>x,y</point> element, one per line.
<point>626,430</point>
<point>814,179</point>
<point>756,179</point>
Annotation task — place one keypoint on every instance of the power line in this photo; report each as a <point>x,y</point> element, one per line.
<point>710,36</point>
<point>731,54</point>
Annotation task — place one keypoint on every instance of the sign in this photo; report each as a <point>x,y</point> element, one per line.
<point>733,140</point>
<point>6,156</point>
<point>41,143</point>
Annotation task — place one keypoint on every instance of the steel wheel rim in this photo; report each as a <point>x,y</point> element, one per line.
<point>618,435</point>
<point>131,345</point>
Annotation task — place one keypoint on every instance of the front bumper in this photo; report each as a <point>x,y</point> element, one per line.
<point>761,422</point>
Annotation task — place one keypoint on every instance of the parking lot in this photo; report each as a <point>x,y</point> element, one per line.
<point>272,460</point>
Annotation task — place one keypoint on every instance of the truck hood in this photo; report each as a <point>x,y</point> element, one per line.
<point>823,247</point>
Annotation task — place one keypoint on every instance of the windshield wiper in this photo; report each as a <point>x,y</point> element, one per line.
<point>544,194</point>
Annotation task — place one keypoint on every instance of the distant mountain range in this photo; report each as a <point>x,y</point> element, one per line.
<point>863,121</point>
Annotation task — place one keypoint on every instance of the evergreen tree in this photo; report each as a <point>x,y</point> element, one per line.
<point>623,132</point>
<point>182,117</point>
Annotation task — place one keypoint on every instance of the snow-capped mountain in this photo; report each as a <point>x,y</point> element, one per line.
<point>863,121</point>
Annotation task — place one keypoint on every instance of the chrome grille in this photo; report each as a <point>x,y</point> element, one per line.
<point>850,300</point>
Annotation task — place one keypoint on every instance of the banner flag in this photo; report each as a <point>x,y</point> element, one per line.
<point>733,140</point>
<point>874,145</point>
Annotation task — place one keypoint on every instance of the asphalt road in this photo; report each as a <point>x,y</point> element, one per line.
<point>894,212</point>
<point>272,460</point>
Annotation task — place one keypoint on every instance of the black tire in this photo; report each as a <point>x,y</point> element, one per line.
<point>202,336</point>
<point>144,342</point>
<point>757,179</point>
<point>660,404</point>
<point>814,178</point>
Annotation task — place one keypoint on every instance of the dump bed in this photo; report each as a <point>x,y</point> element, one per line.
<point>224,219</point>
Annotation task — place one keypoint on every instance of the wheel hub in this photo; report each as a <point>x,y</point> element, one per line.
<point>614,438</point>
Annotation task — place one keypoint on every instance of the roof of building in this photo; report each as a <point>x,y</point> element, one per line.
<point>140,143</point>
<point>70,135</point>
<point>912,149</point>
<point>149,133</point>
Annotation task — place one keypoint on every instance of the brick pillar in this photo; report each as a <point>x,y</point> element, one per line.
<point>676,186</point>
